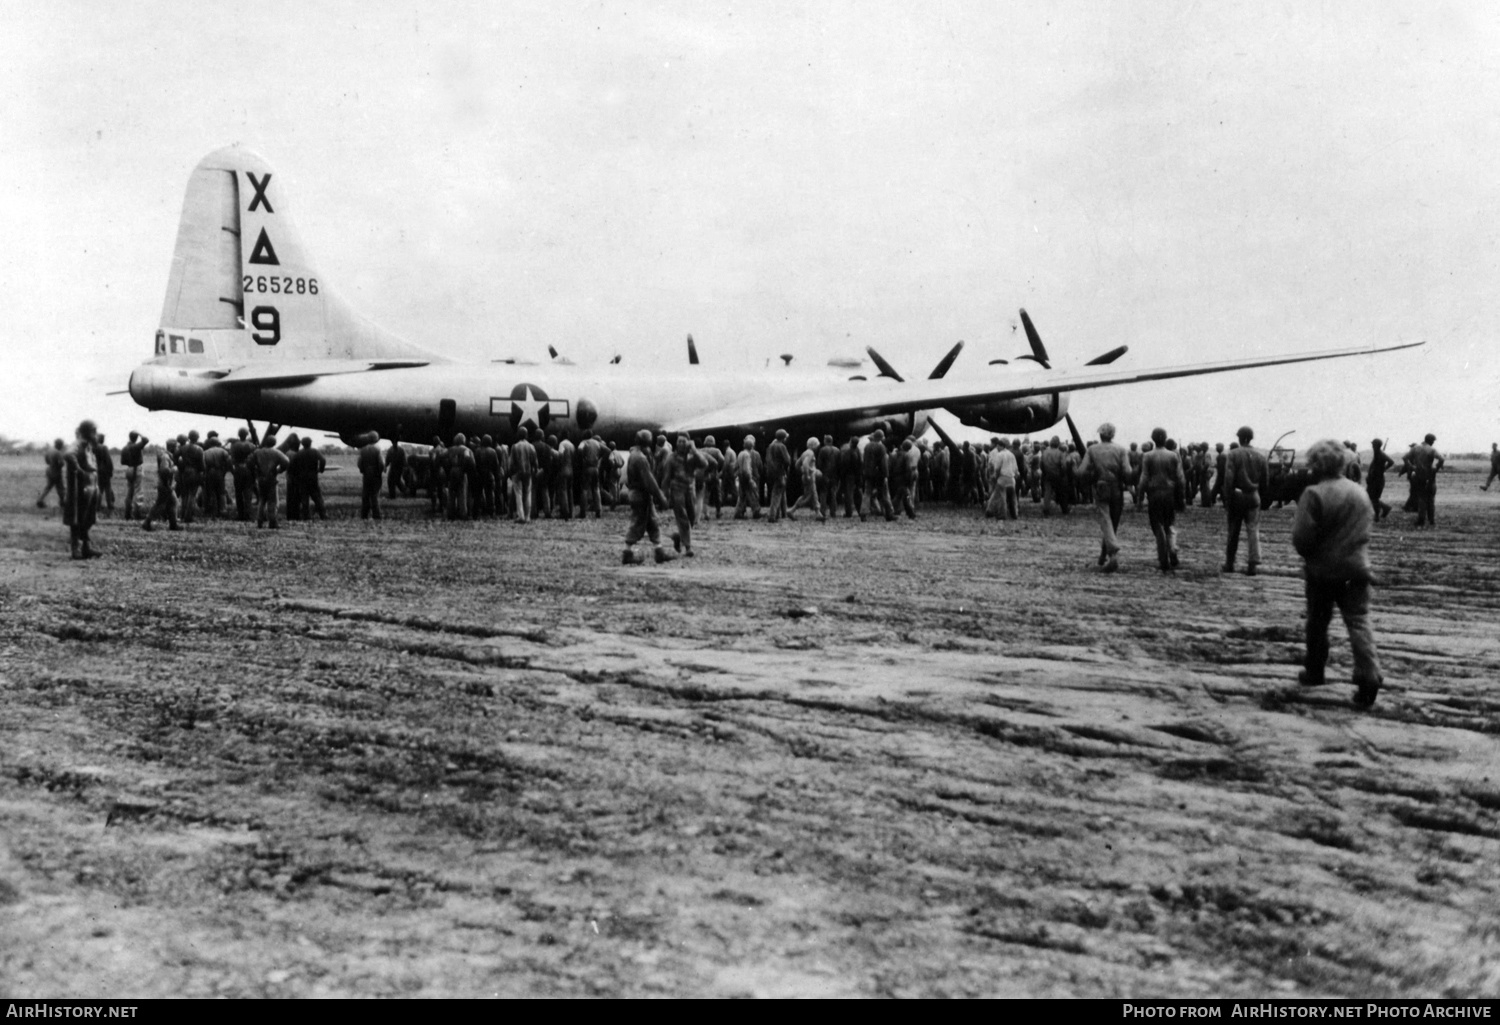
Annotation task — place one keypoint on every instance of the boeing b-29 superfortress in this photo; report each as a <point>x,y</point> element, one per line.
<point>250,330</point>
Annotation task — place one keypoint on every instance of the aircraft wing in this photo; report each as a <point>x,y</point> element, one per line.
<point>289,372</point>
<point>879,398</point>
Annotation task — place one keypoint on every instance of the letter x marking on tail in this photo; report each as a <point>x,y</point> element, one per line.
<point>260,192</point>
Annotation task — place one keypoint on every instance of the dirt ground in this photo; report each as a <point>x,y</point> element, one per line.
<point>931,758</point>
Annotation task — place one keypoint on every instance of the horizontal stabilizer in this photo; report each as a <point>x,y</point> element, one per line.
<point>290,372</point>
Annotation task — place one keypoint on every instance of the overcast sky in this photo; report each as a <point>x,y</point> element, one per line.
<point>1197,181</point>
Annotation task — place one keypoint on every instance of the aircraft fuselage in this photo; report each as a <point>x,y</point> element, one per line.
<point>495,399</point>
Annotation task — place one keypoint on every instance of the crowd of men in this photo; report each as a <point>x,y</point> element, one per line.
<point>542,476</point>
<point>1337,497</point>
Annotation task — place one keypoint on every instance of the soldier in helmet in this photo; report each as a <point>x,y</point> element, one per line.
<point>729,492</point>
<point>166,487</point>
<point>131,458</point>
<point>289,448</point>
<point>460,468</point>
<point>778,465</point>
<point>240,451</point>
<point>942,465</point>
<point>1055,491</point>
<point>1425,464</point>
<point>1247,473</point>
<point>875,462</point>
<point>487,461</point>
<point>680,485</point>
<point>1375,478</point>
<point>306,466</point>
<point>1166,489</point>
<point>1108,467</point>
<point>807,468</point>
<point>1220,461</point>
<point>1332,534</point>
<point>370,466</point>
<point>748,469</point>
<point>437,476</point>
<point>54,459</point>
<point>1002,469</point>
<point>611,468</point>
<point>546,471</point>
<point>522,473</point>
<point>104,464</point>
<point>591,457</point>
<point>1137,460</point>
<point>903,478</point>
<point>850,475</point>
<point>713,479</point>
<point>395,467</point>
<point>81,497</point>
<point>190,478</point>
<point>267,462</point>
<point>646,497</point>
<point>562,477</point>
<point>1203,472</point>
<point>703,467</point>
<point>216,465</point>
<point>828,475</point>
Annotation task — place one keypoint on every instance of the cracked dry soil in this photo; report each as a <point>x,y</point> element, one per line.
<point>939,757</point>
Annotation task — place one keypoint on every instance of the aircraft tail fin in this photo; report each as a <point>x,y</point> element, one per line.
<point>242,284</point>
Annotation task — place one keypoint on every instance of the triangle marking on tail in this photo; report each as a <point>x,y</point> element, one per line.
<point>264,252</point>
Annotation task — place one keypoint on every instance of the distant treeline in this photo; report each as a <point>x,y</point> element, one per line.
<point>32,448</point>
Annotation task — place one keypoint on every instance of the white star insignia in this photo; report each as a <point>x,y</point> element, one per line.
<point>529,409</point>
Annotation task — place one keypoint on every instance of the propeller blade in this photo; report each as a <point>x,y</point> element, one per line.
<point>1077,438</point>
<point>886,370</point>
<point>692,352</point>
<point>947,439</point>
<point>1037,348</point>
<point>946,362</point>
<point>1108,357</point>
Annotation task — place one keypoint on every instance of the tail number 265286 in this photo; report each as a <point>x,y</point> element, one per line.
<point>277,285</point>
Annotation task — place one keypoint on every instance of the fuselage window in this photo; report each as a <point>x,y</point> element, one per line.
<point>195,345</point>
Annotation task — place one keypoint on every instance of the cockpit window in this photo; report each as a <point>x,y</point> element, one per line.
<point>195,345</point>
<point>176,342</point>
<point>161,343</point>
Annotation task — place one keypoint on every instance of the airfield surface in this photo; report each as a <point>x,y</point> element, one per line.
<point>942,757</point>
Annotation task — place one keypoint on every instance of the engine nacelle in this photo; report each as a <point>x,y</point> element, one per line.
<point>895,427</point>
<point>1024,415</point>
